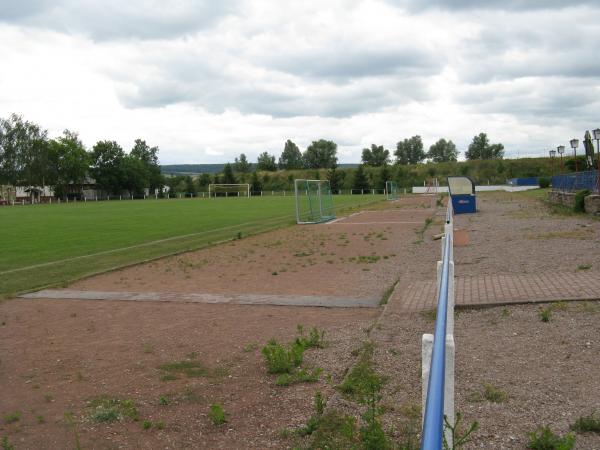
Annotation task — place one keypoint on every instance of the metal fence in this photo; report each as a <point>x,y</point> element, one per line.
<point>438,351</point>
<point>576,181</point>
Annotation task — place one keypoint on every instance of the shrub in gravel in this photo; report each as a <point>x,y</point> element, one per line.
<point>580,200</point>
<point>494,394</point>
<point>545,314</point>
<point>587,424</point>
<point>217,414</point>
<point>280,359</point>
<point>544,439</point>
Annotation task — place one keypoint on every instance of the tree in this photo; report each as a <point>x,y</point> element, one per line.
<point>384,175</point>
<point>442,151</point>
<point>375,156</point>
<point>107,166</point>
<point>241,165</point>
<point>228,176</point>
<point>23,152</point>
<point>481,148</point>
<point>255,184</point>
<point>360,180</point>
<point>149,157</point>
<point>291,157</point>
<point>203,181</point>
<point>335,179</point>
<point>410,151</point>
<point>190,186</point>
<point>134,174</point>
<point>320,154</point>
<point>69,162</point>
<point>266,162</point>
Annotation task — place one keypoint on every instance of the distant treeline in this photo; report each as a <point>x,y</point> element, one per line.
<point>197,169</point>
<point>492,171</point>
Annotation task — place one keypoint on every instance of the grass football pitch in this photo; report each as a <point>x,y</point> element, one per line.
<point>48,245</point>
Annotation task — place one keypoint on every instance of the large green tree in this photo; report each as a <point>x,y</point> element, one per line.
<point>69,162</point>
<point>241,164</point>
<point>266,162</point>
<point>442,151</point>
<point>291,157</point>
<point>410,151</point>
<point>255,183</point>
<point>375,156</point>
<point>228,176</point>
<point>481,148</point>
<point>107,166</point>
<point>149,157</point>
<point>321,154</point>
<point>360,180</point>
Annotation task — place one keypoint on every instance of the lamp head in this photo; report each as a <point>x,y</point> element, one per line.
<point>574,143</point>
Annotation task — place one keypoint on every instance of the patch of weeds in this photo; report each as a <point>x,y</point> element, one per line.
<point>282,359</point>
<point>159,425</point>
<point>302,254</point>
<point>410,427</point>
<point>48,398</point>
<point>299,376</point>
<point>505,312</point>
<point>429,315</point>
<point>587,424</point>
<point>12,417</point>
<point>163,400</point>
<point>315,338</point>
<point>421,231</point>
<point>250,347</point>
<point>191,368</point>
<point>371,433</point>
<point>388,293</point>
<point>494,394</point>
<point>362,379</point>
<point>369,259</point>
<point>148,348</point>
<point>545,314</point>
<point>40,419</point>
<point>146,424</point>
<point>274,273</point>
<point>111,409</point>
<point>560,306</point>
<point>6,445</point>
<point>544,439</point>
<point>459,438</point>
<point>584,267</point>
<point>70,421</point>
<point>216,414</point>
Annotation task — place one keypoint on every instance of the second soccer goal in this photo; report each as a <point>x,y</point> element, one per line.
<point>314,202</point>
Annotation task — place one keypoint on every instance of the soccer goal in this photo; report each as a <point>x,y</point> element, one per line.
<point>229,190</point>
<point>314,202</point>
<point>391,190</point>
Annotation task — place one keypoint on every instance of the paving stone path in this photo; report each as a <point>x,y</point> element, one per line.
<point>486,290</point>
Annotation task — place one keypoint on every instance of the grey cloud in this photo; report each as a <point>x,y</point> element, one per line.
<point>114,19</point>
<point>509,5</point>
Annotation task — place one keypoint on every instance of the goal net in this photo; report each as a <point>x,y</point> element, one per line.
<point>431,186</point>
<point>314,202</point>
<point>229,190</point>
<point>391,190</point>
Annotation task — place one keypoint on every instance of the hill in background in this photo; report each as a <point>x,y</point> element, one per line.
<point>194,169</point>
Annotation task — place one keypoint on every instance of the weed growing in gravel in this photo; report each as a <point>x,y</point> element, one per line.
<point>494,394</point>
<point>12,417</point>
<point>40,419</point>
<point>315,339</point>
<point>410,428</point>
<point>163,400</point>
<point>6,445</point>
<point>362,380</point>
<point>299,376</point>
<point>388,293</point>
<point>111,409</point>
<point>459,438</point>
<point>544,439</point>
<point>371,433</point>
<point>281,359</point>
<point>421,231</point>
<point>71,424</point>
<point>584,266</point>
<point>430,314</point>
<point>505,312</point>
<point>250,347</point>
<point>217,414</point>
<point>545,314</point>
<point>587,424</point>
<point>146,424</point>
<point>191,368</point>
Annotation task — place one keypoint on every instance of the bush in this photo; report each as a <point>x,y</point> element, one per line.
<point>580,200</point>
<point>544,182</point>
<point>280,359</point>
<point>544,439</point>
<point>216,414</point>
<point>587,424</point>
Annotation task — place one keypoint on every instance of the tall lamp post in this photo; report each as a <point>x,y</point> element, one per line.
<point>552,155</point>
<point>597,139</point>
<point>561,149</point>
<point>574,145</point>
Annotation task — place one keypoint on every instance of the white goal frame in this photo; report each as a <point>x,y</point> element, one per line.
<point>326,211</point>
<point>391,190</point>
<point>212,186</point>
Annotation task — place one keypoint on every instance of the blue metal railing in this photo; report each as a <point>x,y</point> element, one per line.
<point>576,181</point>
<point>433,421</point>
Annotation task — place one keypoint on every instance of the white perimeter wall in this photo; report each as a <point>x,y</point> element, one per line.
<point>423,189</point>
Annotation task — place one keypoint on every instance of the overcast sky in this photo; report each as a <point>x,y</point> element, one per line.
<point>207,80</point>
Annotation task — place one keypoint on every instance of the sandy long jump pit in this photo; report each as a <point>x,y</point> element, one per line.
<point>127,338</point>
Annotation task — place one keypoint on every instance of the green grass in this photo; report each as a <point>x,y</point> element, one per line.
<point>39,243</point>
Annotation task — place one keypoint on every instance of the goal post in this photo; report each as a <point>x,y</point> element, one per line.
<point>229,190</point>
<point>391,190</point>
<point>314,202</point>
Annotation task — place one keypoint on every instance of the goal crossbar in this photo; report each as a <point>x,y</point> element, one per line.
<point>230,188</point>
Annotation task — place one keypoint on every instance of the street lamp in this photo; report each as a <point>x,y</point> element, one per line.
<point>574,145</point>
<point>561,149</point>
<point>597,139</point>
<point>552,155</point>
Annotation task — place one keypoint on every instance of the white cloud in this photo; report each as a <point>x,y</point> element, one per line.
<point>206,83</point>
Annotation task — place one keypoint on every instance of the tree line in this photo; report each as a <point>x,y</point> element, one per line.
<point>29,158</point>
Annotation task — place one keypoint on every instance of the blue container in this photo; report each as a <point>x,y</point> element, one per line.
<point>462,193</point>
<point>464,203</point>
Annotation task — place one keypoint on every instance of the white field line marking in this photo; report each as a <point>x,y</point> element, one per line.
<point>376,223</point>
<point>145,244</point>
